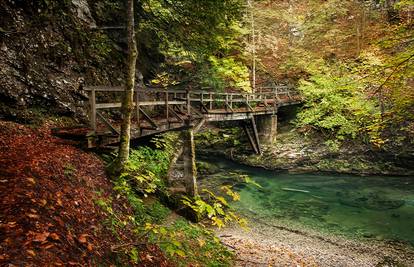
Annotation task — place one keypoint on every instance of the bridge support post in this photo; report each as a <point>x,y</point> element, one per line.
<point>267,127</point>
<point>190,171</point>
<point>92,111</point>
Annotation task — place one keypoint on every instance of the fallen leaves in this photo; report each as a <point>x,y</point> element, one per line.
<point>31,252</point>
<point>31,180</point>
<point>39,214</point>
<point>33,216</point>
<point>40,237</point>
<point>48,217</point>
<point>82,238</point>
<point>54,236</point>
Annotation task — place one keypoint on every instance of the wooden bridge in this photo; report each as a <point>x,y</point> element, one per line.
<point>159,110</point>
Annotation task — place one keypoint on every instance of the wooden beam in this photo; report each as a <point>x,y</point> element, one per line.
<point>204,107</point>
<point>256,135</point>
<point>176,114</point>
<point>188,100</point>
<point>198,113</point>
<point>145,103</point>
<point>250,138</point>
<point>92,105</point>
<point>107,123</point>
<point>137,112</point>
<point>148,118</point>
<point>229,107</point>
<point>199,125</point>
<point>248,106</point>
<point>166,106</point>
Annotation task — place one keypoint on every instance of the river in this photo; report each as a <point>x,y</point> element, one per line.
<point>368,210</point>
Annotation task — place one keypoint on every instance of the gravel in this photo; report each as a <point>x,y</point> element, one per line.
<point>269,244</point>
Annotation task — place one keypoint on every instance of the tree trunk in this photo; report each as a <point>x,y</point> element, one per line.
<point>127,102</point>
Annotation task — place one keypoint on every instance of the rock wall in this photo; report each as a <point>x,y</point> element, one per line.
<point>49,49</point>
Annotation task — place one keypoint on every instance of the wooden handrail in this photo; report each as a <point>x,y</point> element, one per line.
<point>150,90</point>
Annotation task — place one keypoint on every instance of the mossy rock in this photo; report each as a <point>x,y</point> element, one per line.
<point>207,168</point>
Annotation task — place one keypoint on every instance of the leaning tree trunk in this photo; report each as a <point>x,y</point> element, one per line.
<point>127,104</point>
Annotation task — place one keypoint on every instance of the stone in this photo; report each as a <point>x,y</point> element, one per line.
<point>82,11</point>
<point>369,200</point>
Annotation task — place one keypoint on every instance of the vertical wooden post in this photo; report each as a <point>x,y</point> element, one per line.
<point>188,102</point>
<point>137,110</point>
<point>166,106</point>
<point>211,101</point>
<point>202,101</point>
<point>92,104</point>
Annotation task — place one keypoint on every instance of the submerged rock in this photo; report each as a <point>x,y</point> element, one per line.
<point>370,200</point>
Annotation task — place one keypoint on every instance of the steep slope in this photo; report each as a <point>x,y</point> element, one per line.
<point>49,214</point>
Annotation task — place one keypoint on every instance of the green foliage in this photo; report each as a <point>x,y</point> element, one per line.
<point>147,167</point>
<point>190,244</point>
<point>206,35</point>
<point>226,72</point>
<point>114,221</point>
<point>69,171</point>
<point>355,62</point>
<point>215,208</point>
<point>157,212</point>
<point>335,103</point>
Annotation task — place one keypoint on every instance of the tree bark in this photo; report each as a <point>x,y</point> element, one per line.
<point>127,102</point>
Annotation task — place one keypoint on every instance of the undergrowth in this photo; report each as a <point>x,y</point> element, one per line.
<point>141,185</point>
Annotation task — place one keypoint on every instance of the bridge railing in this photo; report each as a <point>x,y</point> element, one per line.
<point>151,103</point>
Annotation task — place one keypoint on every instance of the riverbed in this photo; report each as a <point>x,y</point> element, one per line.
<point>321,219</point>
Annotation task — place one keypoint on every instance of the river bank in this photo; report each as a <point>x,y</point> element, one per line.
<point>316,220</point>
<point>298,153</point>
<point>269,244</point>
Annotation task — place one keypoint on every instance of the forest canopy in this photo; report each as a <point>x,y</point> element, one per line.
<point>352,60</point>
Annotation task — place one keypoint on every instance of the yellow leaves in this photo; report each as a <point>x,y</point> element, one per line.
<point>234,195</point>
<point>59,200</point>
<point>201,242</point>
<point>217,222</point>
<point>148,226</point>
<point>31,252</point>
<point>43,202</point>
<point>31,181</point>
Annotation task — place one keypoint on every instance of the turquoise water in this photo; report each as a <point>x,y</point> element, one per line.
<point>376,207</point>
